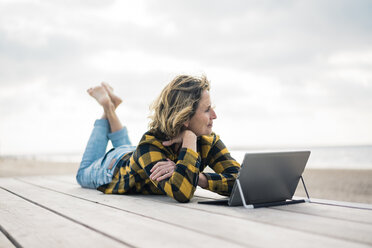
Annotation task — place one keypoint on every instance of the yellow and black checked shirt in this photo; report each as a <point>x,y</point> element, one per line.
<point>132,173</point>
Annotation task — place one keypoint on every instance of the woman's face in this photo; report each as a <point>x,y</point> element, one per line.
<point>202,121</point>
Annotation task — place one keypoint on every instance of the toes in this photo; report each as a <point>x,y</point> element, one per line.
<point>107,86</point>
<point>104,85</point>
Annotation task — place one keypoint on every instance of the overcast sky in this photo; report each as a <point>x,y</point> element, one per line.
<point>283,73</point>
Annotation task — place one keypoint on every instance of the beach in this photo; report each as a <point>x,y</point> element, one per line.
<point>338,184</point>
<point>332,184</point>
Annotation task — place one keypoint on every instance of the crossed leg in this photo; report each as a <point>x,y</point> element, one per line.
<point>105,96</point>
<point>107,128</point>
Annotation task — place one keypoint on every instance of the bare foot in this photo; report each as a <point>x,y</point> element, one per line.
<point>101,95</point>
<point>114,98</point>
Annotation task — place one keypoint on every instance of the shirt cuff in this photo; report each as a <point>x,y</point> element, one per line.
<point>216,182</point>
<point>191,157</point>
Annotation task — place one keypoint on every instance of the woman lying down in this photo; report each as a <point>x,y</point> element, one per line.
<point>170,157</point>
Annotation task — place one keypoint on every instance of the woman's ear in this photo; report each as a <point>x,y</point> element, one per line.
<point>186,124</point>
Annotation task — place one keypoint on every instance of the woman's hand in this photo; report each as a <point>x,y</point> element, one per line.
<point>162,170</point>
<point>187,138</point>
<point>176,140</point>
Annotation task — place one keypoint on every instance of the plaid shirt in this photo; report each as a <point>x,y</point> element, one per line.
<point>132,173</point>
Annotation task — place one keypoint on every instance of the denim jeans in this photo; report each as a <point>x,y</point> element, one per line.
<point>97,166</point>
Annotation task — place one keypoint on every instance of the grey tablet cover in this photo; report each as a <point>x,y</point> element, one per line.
<point>269,177</point>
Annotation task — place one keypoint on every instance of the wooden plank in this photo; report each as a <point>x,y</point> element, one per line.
<point>341,229</point>
<point>131,228</point>
<point>71,179</point>
<point>256,221</point>
<point>34,226</point>
<point>352,214</point>
<point>202,193</point>
<point>342,203</point>
<point>4,241</point>
<point>359,233</point>
<point>331,211</point>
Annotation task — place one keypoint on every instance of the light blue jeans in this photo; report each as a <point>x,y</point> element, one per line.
<point>97,166</point>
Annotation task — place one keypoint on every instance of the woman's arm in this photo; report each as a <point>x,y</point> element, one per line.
<point>226,168</point>
<point>188,139</point>
<point>203,181</point>
<point>165,169</point>
<point>182,183</point>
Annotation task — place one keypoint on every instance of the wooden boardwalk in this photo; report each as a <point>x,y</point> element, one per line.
<point>53,211</point>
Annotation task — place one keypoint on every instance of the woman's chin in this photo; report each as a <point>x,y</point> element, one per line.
<point>209,131</point>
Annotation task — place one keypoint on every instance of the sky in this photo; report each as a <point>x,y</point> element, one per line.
<point>283,73</point>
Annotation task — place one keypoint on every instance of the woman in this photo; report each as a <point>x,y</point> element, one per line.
<point>171,156</point>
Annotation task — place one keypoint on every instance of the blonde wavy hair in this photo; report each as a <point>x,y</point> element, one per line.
<point>176,104</point>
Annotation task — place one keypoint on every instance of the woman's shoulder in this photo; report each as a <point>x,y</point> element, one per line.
<point>151,138</point>
<point>209,139</point>
<point>150,142</point>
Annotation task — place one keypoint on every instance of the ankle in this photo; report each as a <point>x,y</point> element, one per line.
<point>109,108</point>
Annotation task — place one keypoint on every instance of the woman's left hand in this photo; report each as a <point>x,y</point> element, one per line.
<point>162,170</point>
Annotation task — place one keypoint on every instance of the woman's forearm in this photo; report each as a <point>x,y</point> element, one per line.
<point>203,181</point>
<point>189,140</point>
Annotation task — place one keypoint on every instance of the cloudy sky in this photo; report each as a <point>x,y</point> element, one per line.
<point>283,73</point>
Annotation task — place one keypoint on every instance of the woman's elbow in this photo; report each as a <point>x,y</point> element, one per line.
<point>182,198</point>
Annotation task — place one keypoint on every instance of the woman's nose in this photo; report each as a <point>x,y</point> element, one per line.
<point>213,116</point>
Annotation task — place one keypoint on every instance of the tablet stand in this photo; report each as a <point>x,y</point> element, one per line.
<point>270,204</point>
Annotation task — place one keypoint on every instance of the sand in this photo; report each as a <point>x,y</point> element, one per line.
<point>11,167</point>
<point>341,185</point>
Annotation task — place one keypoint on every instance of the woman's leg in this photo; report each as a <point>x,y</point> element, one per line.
<point>118,134</point>
<point>97,144</point>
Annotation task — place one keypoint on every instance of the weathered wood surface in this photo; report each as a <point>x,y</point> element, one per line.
<point>31,207</point>
<point>4,241</point>
<point>31,225</point>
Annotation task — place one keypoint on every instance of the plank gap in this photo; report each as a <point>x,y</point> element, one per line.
<point>10,237</point>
